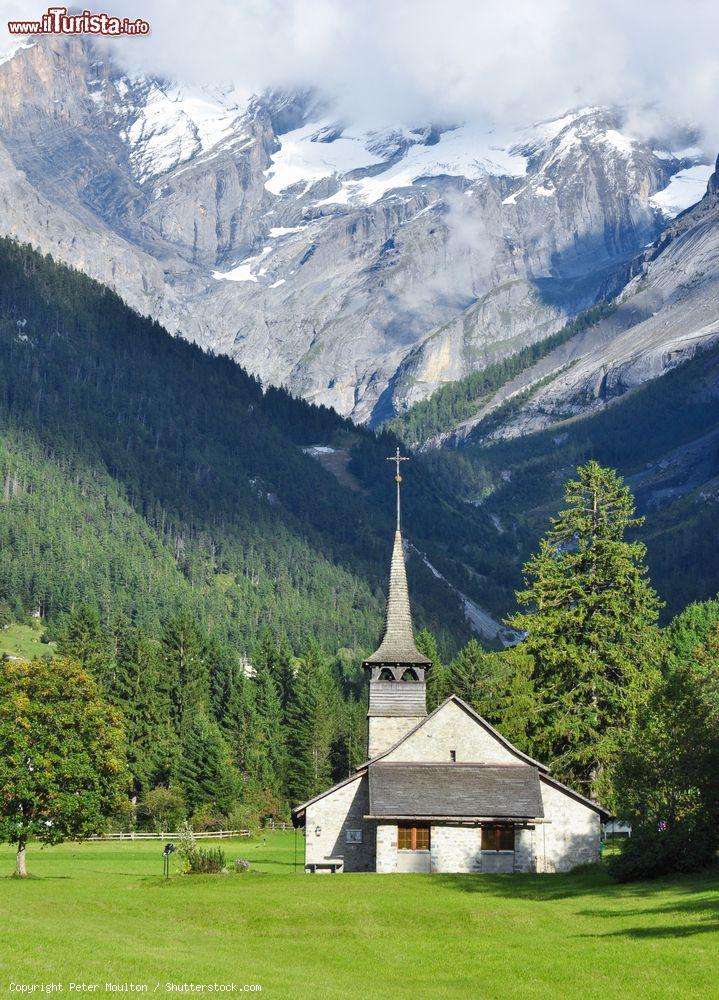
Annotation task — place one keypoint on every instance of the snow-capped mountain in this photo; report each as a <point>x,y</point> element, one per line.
<point>361,267</point>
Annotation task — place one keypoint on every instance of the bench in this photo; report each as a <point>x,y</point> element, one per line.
<point>332,865</point>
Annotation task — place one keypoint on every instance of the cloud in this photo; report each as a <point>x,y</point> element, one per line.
<point>413,61</point>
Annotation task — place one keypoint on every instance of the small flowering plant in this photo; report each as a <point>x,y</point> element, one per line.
<point>241,866</point>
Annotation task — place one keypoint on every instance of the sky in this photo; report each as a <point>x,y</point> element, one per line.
<point>412,61</point>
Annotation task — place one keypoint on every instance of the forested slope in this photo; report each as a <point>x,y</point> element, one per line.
<point>143,476</point>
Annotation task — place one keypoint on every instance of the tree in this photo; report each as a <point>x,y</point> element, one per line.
<point>203,769</point>
<point>668,772</point>
<point>436,675</point>
<point>500,687</point>
<point>83,637</point>
<point>62,756</point>
<point>183,644</point>
<point>270,751</point>
<point>165,808</point>
<point>140,690</point>
<point>591,627</point>
<point>312,727</point>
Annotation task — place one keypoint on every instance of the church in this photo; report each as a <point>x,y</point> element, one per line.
<point>440,792</point>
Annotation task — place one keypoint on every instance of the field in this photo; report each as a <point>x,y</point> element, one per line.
<point>101,912</point>
<point>23,641</point>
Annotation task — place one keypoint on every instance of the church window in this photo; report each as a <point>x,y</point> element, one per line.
<point>353,836</point>
<point>409,675</point>
<point>453,756</point>
<point>386,674</point>
<point>412,838</point>
<point>498,837</point>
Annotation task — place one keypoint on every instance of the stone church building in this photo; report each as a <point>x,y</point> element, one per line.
<point>443,792</point>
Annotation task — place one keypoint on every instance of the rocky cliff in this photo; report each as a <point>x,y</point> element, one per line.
<point>362,268</point>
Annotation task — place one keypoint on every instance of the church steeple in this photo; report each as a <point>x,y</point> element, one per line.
<point>397,690</point>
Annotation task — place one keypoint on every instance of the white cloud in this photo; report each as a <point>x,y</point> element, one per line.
<point>389,61</point>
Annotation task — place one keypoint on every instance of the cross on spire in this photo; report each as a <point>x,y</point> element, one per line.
<point>397,458</point>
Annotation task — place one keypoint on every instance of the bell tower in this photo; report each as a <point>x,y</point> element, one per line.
<point>397,688</point>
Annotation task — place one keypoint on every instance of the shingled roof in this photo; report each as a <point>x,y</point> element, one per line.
<point>449,790</point>
<point>397,644</point>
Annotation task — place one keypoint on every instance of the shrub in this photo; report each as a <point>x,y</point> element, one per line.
<point>163,808</point>
<point>241,866</point>
<point>208,817</point>
<point>186,844</point>
<point>206,862</point>
<point>688,845</point>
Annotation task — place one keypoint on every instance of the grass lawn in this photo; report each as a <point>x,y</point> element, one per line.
<point>23,641</point>
<point>101,912</point>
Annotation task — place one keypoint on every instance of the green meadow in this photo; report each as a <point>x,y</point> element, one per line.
<point>101,913</point>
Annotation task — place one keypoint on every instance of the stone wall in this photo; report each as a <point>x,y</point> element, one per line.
<point>452,728</point>
<point>386,848</point>
<point>384,731</point>
<point>572,835</point>
<point>341,810</point>
<point>456,849</point>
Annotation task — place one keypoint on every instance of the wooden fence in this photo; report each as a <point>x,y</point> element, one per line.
<point>199,835</point>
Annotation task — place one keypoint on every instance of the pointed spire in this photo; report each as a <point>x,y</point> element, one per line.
<point>397,644</point>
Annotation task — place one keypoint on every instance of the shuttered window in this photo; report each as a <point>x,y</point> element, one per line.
<point>412,838</point>
<point>499,837</point>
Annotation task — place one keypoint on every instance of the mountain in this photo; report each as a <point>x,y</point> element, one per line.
<point>666,312</point>
<point>360,267</point>
<point>633,383</point>
<point>144,476</point>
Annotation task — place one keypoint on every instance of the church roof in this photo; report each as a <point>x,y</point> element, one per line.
<point>398,644</point>
<point>477,791</point>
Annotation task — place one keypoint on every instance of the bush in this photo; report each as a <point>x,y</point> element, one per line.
<point>186,845</point>
<point>163,809</point>
<point>208,817</point>
<point>241,866</point>
<point>686,846</point>
<point>206,862</point>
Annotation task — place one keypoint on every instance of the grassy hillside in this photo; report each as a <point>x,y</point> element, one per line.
<point>142,475</point>
<point>83,916</point>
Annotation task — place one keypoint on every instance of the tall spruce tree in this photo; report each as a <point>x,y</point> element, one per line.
<point>312,727</point>
<point>591,626</point>
<point>269,732</point>
<point>500,687</point>
<point>183,644</point>
<point>141,691</point>
<point>84,637</point>
<point>203,769</point>
<point>436,675</point>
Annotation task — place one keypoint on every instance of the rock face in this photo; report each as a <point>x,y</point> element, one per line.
<point>360,268</point>
<point>668,311</point>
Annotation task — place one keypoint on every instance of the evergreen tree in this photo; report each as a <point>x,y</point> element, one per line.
<point>222,669</point>
<point>500,687</point>
<point>312,728</point>
<point>269,733</point>
<point>183,645</point>
<point>140,690</point>
<point>669,766</point>
<point>591,627</point>
<point>284,675</point>
<point>437,679</point>
<point>83,637</point>
<point>203,768</point>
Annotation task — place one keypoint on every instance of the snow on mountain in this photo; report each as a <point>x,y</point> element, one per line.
<point>173,124</point>
<point>685,189</point>
<point>263,228</point>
